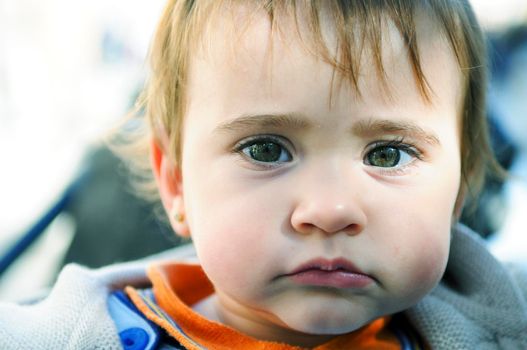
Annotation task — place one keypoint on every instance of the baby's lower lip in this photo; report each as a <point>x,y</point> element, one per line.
<point>334,278</point>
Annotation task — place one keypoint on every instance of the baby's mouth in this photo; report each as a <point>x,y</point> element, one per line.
<point>337,273</point>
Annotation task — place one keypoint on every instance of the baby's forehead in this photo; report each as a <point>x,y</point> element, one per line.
<point>249,41</point>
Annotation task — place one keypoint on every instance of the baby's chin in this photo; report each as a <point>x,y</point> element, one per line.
<point>340,316</point>
<point>331,320</point>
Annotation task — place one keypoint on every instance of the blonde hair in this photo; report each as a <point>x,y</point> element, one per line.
<point>184,24</point>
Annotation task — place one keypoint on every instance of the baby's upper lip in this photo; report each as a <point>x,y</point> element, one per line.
<point>323,264</point>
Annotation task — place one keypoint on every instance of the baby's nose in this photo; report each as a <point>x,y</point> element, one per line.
<point>328,217</point>
<point>331,206</point>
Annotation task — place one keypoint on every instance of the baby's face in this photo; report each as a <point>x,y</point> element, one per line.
<point>311,215</point>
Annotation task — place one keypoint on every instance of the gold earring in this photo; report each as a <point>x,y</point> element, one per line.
<point>179,217</point>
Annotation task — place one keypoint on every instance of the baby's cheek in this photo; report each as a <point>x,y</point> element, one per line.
<point>232,257</point>
<point>431,267</point>
<point>426,266</point>
<point>414,268</point>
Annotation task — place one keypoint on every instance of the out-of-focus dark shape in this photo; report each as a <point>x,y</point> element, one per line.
<point>486,215</point>
<point>490,211</point>
<point>113,223</point>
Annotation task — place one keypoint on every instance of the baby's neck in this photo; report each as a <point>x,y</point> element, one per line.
<point>252,325</point>
<point>207,308</point>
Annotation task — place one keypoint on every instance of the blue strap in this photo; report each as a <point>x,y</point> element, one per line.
<point>135,332</point>
<point>40,226</point>
<point>403,340</point>
<point>407,337</point>
<point>134,338</point>
<point>149,301</point>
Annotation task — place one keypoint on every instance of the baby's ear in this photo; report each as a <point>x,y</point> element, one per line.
<point>170,186</point>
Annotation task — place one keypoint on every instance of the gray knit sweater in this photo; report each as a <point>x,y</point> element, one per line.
<point>480,304</point>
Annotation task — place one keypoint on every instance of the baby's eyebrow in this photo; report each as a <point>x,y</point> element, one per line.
<point>377,127</point>
<point>289,121</point>
<point>362,128</point>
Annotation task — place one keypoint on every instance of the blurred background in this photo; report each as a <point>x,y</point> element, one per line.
<point>69,72</point>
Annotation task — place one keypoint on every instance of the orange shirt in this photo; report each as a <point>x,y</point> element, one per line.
<point>178,286</point>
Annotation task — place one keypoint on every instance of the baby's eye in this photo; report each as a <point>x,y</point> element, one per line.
<point>389,156</point>
<point>266,151</point>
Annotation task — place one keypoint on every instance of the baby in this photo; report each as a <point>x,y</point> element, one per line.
<point>318,153</point>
